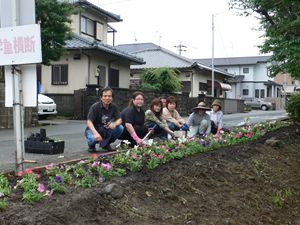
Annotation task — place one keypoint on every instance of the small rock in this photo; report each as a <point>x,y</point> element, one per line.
<point>114,190</point>
<point>272,142</point>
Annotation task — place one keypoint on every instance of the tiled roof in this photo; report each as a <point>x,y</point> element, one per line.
<point>80,42</point>
<point>157,56</point>
<point>233,61</point>
<point>111,17</point>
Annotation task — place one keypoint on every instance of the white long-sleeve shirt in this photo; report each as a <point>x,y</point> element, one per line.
<point>217,117</point>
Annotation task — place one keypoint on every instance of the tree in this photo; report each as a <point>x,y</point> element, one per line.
<point>55,19</point>
<point>160,79</point>
<point>280,19</point>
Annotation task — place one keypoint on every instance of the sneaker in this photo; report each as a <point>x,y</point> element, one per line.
<point>92,149</point>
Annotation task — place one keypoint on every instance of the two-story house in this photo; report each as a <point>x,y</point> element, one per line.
<point>251,76</point>
<point>89,59</point>
<point>195,77</point>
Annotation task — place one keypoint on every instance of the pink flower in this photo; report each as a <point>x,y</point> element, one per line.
<point>49,193</point>
<point>41,187</point>
<point>167,151</point>
<point>95,164</point>
<point>106,166</point>
<point>94,156</point>
<point>62,167</point>
<point>160,156</point>
<point>134,155</point>
<point>28,171</point>
<point>50,166</point>
<point>20,173</point>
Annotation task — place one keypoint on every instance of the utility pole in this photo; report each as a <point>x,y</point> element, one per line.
<point>180,48</point>
<point>212,57</point>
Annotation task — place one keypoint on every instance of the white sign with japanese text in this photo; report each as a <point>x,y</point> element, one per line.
<point>20,45</point>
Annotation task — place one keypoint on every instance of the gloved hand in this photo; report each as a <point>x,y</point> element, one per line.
<point>136,138</point>
<point>173,137</point>
<point>185,127</point>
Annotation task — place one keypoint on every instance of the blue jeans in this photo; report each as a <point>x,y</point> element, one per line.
<point>172,126</point>
<point>116,133</point>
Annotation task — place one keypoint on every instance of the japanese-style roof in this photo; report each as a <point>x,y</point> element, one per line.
<point>111,17</point>
<point>157,56</point>
<point>85,43</point>
<point>233,61</point>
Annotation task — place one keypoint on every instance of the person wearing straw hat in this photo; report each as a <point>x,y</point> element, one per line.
<point>216,117</point>
<point>199,122</point>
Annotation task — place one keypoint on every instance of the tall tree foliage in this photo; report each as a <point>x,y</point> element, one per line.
<point>160,79</point>
<point>55,20</point>
<point>280,19</point>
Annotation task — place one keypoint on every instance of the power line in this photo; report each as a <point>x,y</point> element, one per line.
<point>180,48</point>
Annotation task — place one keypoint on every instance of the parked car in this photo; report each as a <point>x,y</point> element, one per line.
<point>256,103</point>
<point>46,106</point>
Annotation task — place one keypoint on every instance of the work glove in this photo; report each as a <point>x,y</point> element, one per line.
<point>136,138</point>
<point>185,127</point>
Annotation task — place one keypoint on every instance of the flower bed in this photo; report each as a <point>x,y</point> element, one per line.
<point>56,179</point>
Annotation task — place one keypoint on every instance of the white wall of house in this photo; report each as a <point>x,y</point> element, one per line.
<point>261,72</point>
<point>101,28</point>
<point>76,75</point>
<point>82,72</point>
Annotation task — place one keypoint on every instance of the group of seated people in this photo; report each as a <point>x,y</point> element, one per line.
<point>105,123</point>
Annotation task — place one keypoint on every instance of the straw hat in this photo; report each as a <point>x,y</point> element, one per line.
<point>201,105</point>
<point>216,102</point>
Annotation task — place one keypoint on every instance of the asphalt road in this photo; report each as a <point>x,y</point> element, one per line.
<point>72,132</point>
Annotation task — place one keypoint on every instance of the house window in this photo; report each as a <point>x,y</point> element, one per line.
<point>245,70</point>
<point>87,26</point>
<point>59,74</point>
<point>113,80</point>
<point>186,86</point>
<point>256,93</point>
<point>245,91</point>
<point>202,86</point>
<point>262,93</point>
<point>99,31</point>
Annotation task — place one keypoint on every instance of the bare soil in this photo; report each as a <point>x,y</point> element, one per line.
<point>252,183</point>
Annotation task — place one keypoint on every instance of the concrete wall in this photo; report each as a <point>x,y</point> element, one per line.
<point>64,104</point>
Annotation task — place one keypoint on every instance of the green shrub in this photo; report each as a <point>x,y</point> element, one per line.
<point>293,107</point>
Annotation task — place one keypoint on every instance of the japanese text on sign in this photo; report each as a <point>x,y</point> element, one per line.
<point>20,44</point>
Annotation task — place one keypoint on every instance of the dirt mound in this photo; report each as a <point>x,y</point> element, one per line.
<point>253,183</point>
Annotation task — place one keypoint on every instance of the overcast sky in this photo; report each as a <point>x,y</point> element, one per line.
<point>170,22</point>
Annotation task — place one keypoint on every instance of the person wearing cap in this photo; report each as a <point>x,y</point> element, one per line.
<point>216,117</point>
<point>199,122</point>
<point>171,115</point>
<point>104,123</point>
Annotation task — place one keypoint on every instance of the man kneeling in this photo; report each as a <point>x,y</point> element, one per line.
<point>103,122</point>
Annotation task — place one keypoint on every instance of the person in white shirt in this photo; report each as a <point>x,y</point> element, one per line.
<point>216,117</point>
